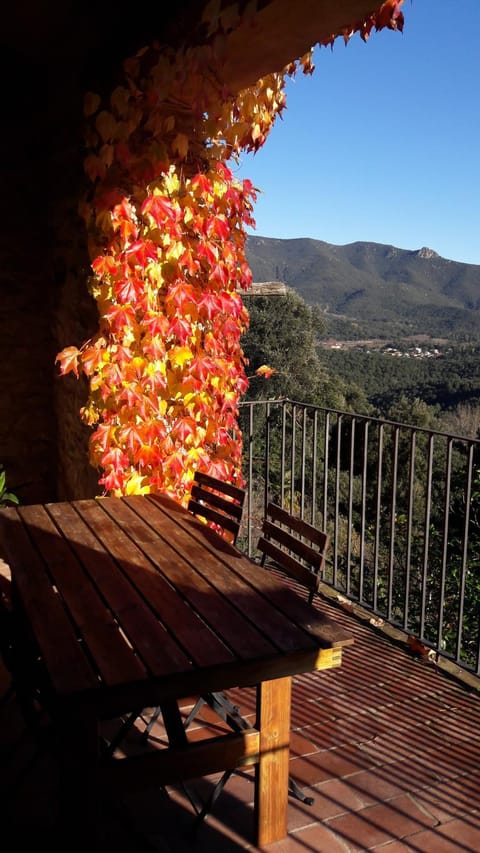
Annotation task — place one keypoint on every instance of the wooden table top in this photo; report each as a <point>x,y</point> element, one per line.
<point>132,600</point>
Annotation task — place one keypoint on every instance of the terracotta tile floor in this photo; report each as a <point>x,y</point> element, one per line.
<point>388,745</point>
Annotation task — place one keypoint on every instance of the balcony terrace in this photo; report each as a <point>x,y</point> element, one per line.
<point>388,745</point>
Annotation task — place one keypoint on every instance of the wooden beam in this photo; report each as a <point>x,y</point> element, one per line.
<point>176,764</point>
<point>283,31</point>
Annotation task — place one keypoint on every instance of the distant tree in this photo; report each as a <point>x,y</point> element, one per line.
<point>283,332</point>
<point>463,420</point>
<point>464,579</point>
<point>414,412</point>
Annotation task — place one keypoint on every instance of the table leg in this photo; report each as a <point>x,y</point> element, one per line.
<point>271,772</point>
<point>80,805</point>
<point>172,720</point>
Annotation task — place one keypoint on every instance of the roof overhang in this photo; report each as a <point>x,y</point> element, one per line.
<point>82,40</point>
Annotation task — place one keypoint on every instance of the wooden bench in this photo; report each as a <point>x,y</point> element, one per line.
<point>218,502</point>
<point>294,546</point>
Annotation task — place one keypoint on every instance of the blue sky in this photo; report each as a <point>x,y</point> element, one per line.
<point>382,142</point>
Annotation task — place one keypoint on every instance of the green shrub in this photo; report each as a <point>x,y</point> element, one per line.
<point>6,497</point>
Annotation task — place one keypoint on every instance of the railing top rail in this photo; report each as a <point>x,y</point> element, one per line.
<point>370,418</point>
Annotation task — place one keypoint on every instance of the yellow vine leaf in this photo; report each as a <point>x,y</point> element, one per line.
<point>179,356</point>
<point>119,101</point>
<point>106,125</point>
<point>91,103</point>
<point>136,484</point>
<point>211,15</point>
<point>180,145</point>
<point>265,370</point>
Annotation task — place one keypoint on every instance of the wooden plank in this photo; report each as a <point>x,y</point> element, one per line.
<point>290,543</point>
<point>213,515</point>
<point>177,559</point>
<point>221,486</point>
<point>182,623</point>
<point>68,667</point>
<point>300,526</point>
<point>271,772</point>
<point>215,678</point>
<point>225,506</point>
<point>167,766</point>
<point>319,625</point>
<point>288,564</point>
<point>112,655</point>
<point>149,639</point>
<point>207,552</point>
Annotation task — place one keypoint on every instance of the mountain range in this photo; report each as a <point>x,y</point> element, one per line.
<point>374,289</point>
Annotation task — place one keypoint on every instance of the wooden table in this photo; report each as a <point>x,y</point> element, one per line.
<point>133,603</point>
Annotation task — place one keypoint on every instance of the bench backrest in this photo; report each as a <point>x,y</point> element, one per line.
<point>218,502</point>
<point>294,546</point>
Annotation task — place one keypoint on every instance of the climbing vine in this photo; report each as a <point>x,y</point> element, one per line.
<point>166,222</point>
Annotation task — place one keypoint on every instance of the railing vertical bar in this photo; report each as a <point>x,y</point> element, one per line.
<point>337,501</point>
<point>304,439</point>
<point>393,512</point>
<point>293,457</point>
<point>314,467</point>
<point>326,468</point>
<point>284,451</point>
<point>350,507</point>
<point>426,535</point>
<point>463,573</point>
<point>448,474</point>
<point>408,550</point>
<point>378,515</point>
<point>363,512</point>
<point>267,458</point>
<point>250,480</point>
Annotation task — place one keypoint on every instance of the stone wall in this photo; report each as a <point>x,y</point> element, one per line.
<point>44,301</point>
<point>43,444</point>
<point>27,422</point>
<point>74,317</point>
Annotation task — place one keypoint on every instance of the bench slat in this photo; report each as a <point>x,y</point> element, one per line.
<point>295,546</point>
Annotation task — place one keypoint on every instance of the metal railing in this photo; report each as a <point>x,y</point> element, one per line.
<point>401,504</point>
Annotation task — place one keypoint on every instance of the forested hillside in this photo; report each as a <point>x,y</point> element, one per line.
<point>445,381</point>
<point>374,290</point>
<point>440,388</point>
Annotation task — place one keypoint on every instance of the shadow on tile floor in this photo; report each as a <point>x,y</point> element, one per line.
<point>387,744</point>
